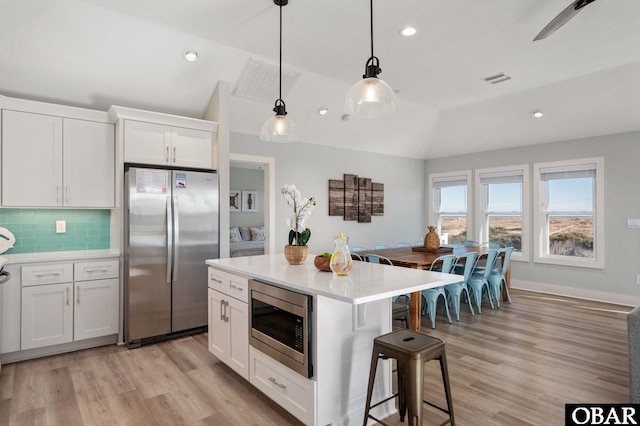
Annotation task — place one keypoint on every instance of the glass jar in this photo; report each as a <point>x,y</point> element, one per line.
<point>341,261</point>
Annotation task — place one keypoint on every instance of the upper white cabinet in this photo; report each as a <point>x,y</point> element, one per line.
<point>146,137</point>
<point>52,161</point>
<point>88,163</point>
<point>151,143</point>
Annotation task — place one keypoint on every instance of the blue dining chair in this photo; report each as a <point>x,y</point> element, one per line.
<point>358,248</point>
<point>479,280</point>
<point>455,290</point>
<point>497,280</point>
<point>470,243</point>
<point>381,246</point>
<point>440,264</point>
<point>403,244</point>
<point>493,245</point>
<point>419,243</point>
<point>376,258</point>
<point>356,256</point>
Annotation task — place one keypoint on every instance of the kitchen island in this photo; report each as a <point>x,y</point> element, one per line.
<point>348,313</point>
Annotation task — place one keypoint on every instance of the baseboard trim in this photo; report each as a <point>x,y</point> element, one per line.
<point>579,293</point>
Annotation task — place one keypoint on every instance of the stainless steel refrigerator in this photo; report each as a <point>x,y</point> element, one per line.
<point>171,228</point>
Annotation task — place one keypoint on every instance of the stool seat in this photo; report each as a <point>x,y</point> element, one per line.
<point>409,345</point>
<point>411,350</point>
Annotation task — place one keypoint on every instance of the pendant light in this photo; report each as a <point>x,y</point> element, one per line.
<point>371,97</point>
<point>279,128</point>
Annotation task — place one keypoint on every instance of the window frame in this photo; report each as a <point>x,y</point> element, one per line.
<point>482,216</point>
<point>433,199</point>
<point>540,195</point>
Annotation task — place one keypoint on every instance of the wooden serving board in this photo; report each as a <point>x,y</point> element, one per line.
<point>438,250</point>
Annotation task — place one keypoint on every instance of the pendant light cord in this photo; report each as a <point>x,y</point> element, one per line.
<point>371,18</point>
<point>280,72</point>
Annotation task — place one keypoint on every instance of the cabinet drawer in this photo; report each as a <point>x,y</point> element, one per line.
<point>291,391</point>
<point>98,270</point>
<point>218,280</point>
<point>47,274</point>
<point>229,284</point>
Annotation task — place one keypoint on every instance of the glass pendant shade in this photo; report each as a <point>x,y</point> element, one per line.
<point>278,128</point>
<point>370,98</point>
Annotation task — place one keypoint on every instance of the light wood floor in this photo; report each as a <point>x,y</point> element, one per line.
<point>517,365</point>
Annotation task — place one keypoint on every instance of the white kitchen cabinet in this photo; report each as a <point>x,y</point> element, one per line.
<point>88,163</point>
<point>290,390</point>
<point>96,309</point>
<point>56,308</point>
<point>96,298</point>
<point>47,315</point>
<point>31,160</point>
<point>10,311</point>
<point>152,143</point>
<point>229,320</point>
<point>50,161</point>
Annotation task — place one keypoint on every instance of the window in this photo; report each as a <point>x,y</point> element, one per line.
<point>450,198</point>
<point>502,207</point>
<point>569,203</point>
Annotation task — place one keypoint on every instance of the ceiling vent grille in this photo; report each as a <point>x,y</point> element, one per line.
<point>259,81</point>
<point>497,78</point>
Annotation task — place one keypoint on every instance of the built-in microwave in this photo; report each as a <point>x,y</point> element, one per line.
<point>280,325</point>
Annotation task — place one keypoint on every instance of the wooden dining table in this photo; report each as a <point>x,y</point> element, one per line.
<point>418,258</point>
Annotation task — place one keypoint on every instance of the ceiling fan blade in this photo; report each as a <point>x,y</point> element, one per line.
<point>564,17</point>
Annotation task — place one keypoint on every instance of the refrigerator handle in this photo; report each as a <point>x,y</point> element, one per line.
<point>176,237</point>
<point>169,242</point>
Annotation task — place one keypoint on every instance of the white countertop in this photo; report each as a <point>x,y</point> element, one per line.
<point>367,282</point>
<point>59,256</point>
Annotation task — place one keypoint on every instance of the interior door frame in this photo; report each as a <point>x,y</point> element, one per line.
<point>269,166</point>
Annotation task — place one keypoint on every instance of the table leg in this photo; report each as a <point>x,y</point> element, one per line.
<point>507,278</point>
<point>414,310</point>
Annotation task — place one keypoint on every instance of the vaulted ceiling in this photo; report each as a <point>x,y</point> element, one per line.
<point>585,76</point>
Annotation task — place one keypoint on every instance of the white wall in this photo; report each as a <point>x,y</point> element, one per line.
<point>310,167</point>
<point>621,152</point>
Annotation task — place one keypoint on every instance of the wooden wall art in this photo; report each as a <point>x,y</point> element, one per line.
<point>356,198</point>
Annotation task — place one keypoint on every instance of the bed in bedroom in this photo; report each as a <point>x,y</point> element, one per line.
<point>246,241</point>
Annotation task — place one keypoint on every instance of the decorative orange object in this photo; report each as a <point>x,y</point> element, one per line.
<point>432,240</point>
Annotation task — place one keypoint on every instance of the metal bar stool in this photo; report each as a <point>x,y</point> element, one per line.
<point>411,350</point>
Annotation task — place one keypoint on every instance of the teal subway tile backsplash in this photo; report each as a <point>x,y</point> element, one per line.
<point>35,229</point>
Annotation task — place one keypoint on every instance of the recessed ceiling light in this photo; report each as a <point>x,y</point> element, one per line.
<point>537,113</point>
<point>190,55</point>
<point>408,31</point>
<point>323,110</point>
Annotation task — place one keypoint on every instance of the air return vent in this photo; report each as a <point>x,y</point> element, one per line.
<point>497,78</point>
<point>259,81</point>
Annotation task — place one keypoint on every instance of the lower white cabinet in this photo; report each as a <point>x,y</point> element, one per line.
<point>61,312</point>
<point>229,322</point>
<point>47,315</point>
<point>95,309</point>
<point>290,390</point>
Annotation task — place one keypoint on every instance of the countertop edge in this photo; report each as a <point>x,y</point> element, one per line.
<point>58,256</point>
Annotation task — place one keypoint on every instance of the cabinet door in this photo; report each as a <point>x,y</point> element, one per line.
<point>88,164</point>
<point>146,143</point>
<point>217,325</point>
<point>96,309</point>
<point>31,160</point>
<point>191,148</point>
<point>10,311</point>
<point>238,340</point>
<point>47,315</point>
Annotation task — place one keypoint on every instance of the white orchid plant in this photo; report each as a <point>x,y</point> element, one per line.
<point>302,207</point>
